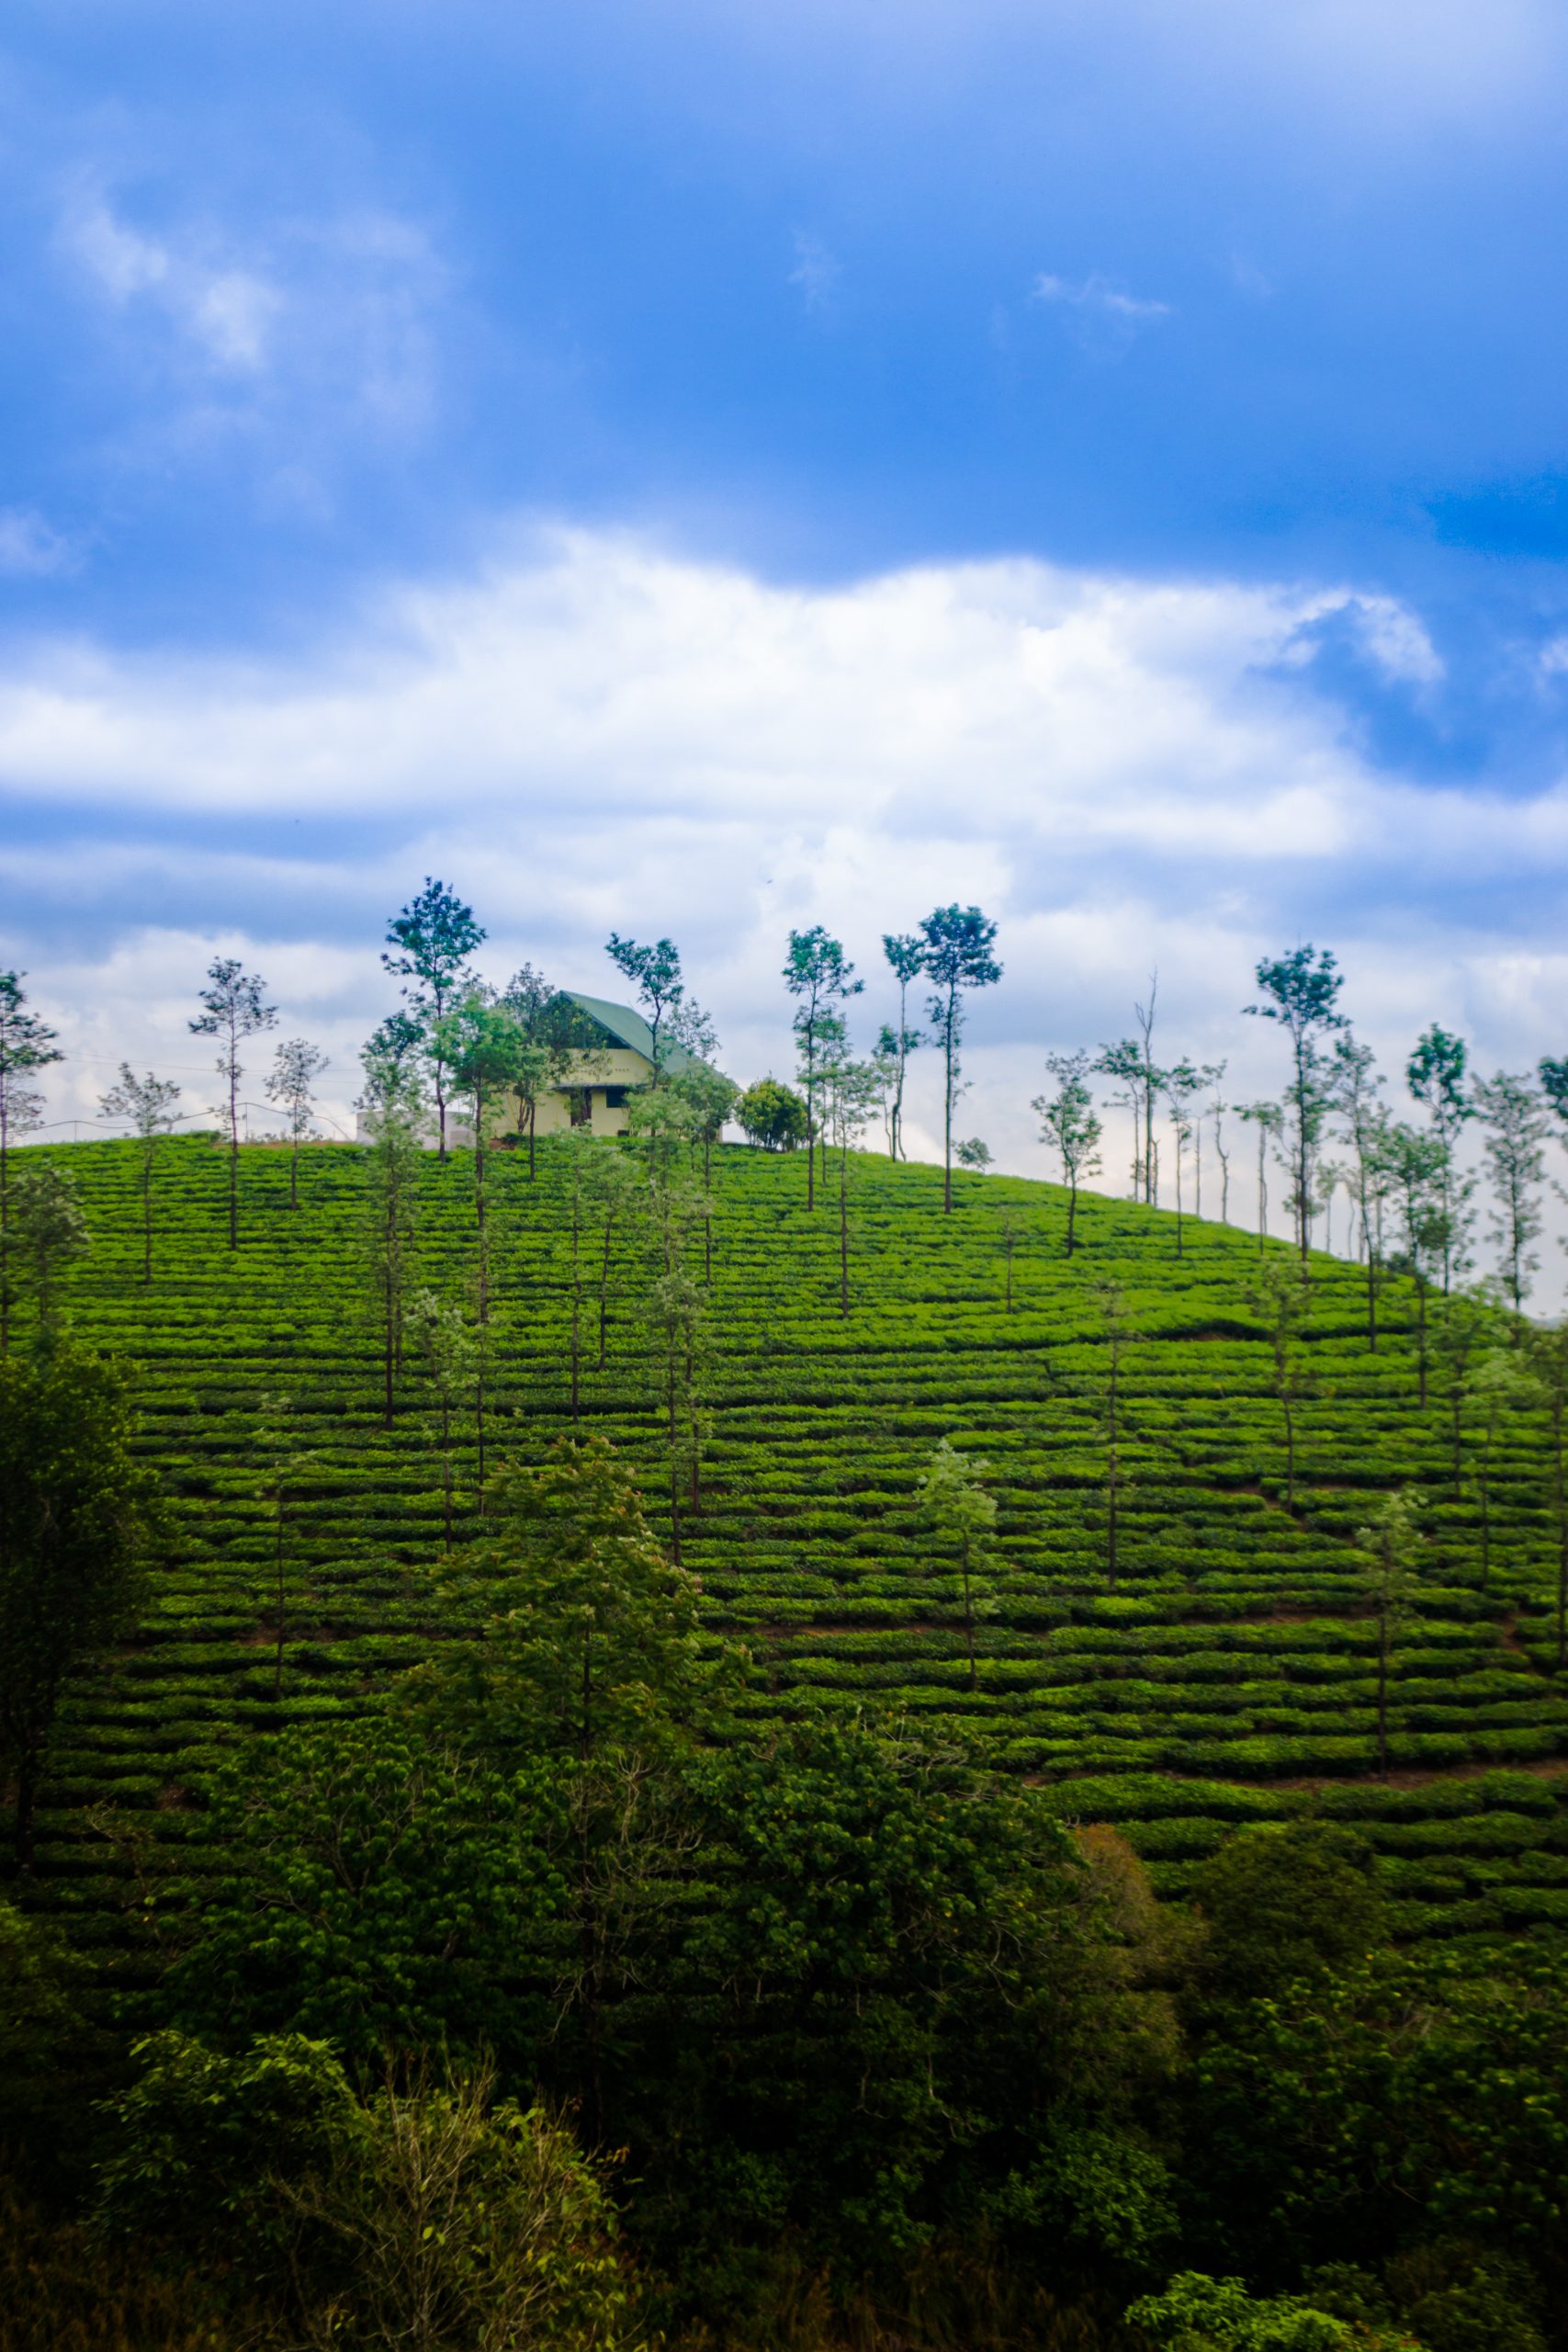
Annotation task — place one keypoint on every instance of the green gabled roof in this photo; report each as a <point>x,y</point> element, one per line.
<point>628,1028</point>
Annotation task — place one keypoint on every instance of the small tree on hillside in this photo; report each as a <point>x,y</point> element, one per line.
<point>1515,1120</point>
<point>234,1007</point>
<point>1301,989</point>
<point>1181,1085</point>
<point>1462,1339</point>
<point>1123,1065</point>
<point>1269,1122</point>
<point>1217,1109</point>
<point>1070,1127</point>
<point>771,1115</point>
<point>974,1153</point>
<point>559,1038</point>
<point>49,1232</point>
<point>1393,1544</point>
<point>655,973</point>
<point>79,1523</point>
<point>26,1045</point>
<point>1279,1298</point>
<point>1354,1086</point>
<point>958,959</point>
<point>905,953</point>
<point>147,1104</point>
<point>433,936</point>
<point>395,1110</point>
<point>818,975</point>
<point>1547,1358</point>
<point>450,1347</point>
<point>291,1084</point>
<point>1436,1076</point>
<point>1413,1171</point>
<point>484,1049</point>
<point>953,1498</point>
<point>848,1098</point>
<point>1501,1387</point>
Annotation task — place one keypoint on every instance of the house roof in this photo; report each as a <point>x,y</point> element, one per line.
<point>628,1028</point>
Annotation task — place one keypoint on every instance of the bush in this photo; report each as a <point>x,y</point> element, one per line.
<point>773,1115</point>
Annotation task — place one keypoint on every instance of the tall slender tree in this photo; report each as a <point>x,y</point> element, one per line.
<point>234,1007</point>
<point>958,959</point>
<point>395,1115</point>
<point>1514,1121</point>
<point>450,1345</point>
<point>49,1230</point>
<point>849,1095</point>
<point>1070,1126</point>
<point>655,973</point>
<point>484,1049</point>
<point>147,1105</point>
<point>1392,1543</point>
<point>820,976</point>
<point>953,1497</point>
<point>1280,1301</point>
<point>1354,1085</point>
<point>292,1085</point>
<point>26,1045</point>
<point>1123,1064</point>
<point>1413,1169</point>
<point>1435,1074</point>
<point>434,937</point>
<point>1116,1316</point>
<point>905,953</point>
<point>1269,1122</point>
<point>1300,990</point>
<point>1181,1085</point>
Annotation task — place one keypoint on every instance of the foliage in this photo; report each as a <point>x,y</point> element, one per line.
<point>773,1115</point>
<point>1284,1902</point>
<point>1197,2313</point>
<point>233,1008</point>
<point>957,958</point>
<point>79,1522</point>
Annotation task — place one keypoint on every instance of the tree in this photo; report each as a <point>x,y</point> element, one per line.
<point>1302,988</point>
<point>1434,1075</point>
<point>48,1231</point>
<point>1269,1122</point>
<point>1392,1542</point>
<point>958,958</point>
<point>849,1095</point>
<point>818,974</point>
<point>1354,1086</point>
<point>396,1114</point>
<point>295,1070</point>
<point>148,1105</point>
<point>1209,1074</point>
<point>905,952</point>
<point>953,1498</point>
<point>450,1347</point>
<point>79,1523</point>
<point>1413,1170</point>
<point>1123,1065</point>
<point>773,1117</point>
<point>557,1037</point>
<point>1515,1120</point>
<point>434,936</point>
<point>1279,1299</point>
<point>599,1186</point>
<point>679,1325</point>
<point>1070,1126</point>
<point>655,973</point>
<point>974,1153</point>
<point>1180,1085</point>
<point>1279,1902</point>
<point>485,1049</point>
<point>1217,1113</point>
<point>1197,2313</point>
<point>234,1008</point>
<point>1460,1340</point>
<point>26,1045</point>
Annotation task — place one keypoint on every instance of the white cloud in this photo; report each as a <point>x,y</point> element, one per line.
<point>224,312</point>
<point>817,272</point>
<point>32,549</point>
<point>595,733</point>
<point>1103,319</point>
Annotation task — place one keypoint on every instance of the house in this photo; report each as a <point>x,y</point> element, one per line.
<point>615,1053</point>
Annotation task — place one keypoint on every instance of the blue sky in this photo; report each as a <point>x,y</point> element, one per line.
<point>561,448</point>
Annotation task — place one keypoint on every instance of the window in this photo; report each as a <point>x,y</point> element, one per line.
<point>615,1098</point>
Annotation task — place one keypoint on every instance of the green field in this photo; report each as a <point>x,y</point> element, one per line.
<point>1228,1677</point>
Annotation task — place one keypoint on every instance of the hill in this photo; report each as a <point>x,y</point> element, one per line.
<point>1227,1674</point>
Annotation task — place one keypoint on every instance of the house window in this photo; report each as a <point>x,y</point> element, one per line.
<point>581,1106</point>
<point>615,1098</point>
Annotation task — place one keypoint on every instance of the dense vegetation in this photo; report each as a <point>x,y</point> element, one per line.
<point>883,1898</point>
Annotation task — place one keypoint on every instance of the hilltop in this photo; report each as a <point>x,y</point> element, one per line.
<point>1227,1675</point>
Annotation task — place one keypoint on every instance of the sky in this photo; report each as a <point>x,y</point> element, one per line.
<point>698,470</point>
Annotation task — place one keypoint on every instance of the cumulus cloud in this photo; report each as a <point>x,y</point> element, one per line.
<point>595,733</point>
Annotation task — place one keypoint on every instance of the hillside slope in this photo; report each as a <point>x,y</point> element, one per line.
<point>1229,1674</point>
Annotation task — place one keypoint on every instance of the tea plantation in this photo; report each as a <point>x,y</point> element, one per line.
<point>1229,1676</point>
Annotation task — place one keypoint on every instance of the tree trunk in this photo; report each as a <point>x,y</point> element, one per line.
<point>1072,1211</point>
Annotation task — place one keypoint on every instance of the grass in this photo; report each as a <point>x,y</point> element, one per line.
<point>1229,1676</point>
